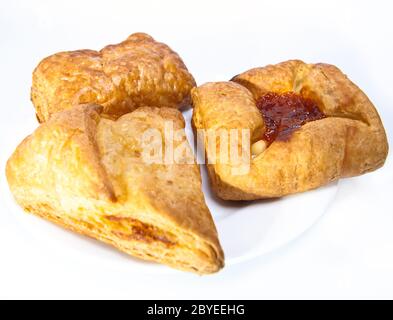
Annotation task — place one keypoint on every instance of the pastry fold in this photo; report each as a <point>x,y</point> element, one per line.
<point>349,141</point>
<point>87,173</point>
<point>136,72</point>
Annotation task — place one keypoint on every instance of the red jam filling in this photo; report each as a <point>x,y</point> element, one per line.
<point>284,113</point>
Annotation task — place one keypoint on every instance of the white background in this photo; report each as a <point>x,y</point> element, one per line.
<point>348,254</point>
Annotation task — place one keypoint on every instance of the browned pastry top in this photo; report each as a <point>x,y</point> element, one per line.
<point>136,72</point>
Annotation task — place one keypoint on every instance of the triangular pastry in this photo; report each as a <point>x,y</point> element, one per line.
<point>88,174</point>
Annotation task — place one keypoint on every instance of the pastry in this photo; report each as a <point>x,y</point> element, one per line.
<point>308,125</point>
<point>88,174</point>
<point>137,72</point>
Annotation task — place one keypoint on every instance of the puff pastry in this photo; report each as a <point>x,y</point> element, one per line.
<point>136,72</point>
<point>86,173</point>
<point>347,140</point>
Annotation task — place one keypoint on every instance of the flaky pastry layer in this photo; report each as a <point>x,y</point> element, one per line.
<point>87,173</point>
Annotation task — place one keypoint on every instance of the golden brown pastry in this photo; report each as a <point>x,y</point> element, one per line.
<point>88,174</point>
<point>137,72</point>
<point>309,125</point>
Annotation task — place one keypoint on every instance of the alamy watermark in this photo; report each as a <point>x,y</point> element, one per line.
<point>230,147</point>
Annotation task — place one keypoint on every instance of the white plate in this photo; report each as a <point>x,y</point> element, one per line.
<point>247,229</point>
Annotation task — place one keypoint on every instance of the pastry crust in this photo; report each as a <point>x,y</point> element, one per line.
<point>136,72</point>
<point>87,173</point>
<point>350,141</point>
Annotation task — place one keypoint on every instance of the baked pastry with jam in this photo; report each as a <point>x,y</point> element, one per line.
<point>308,123</point>
<point>88,174</point>
<point>134,73</point>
